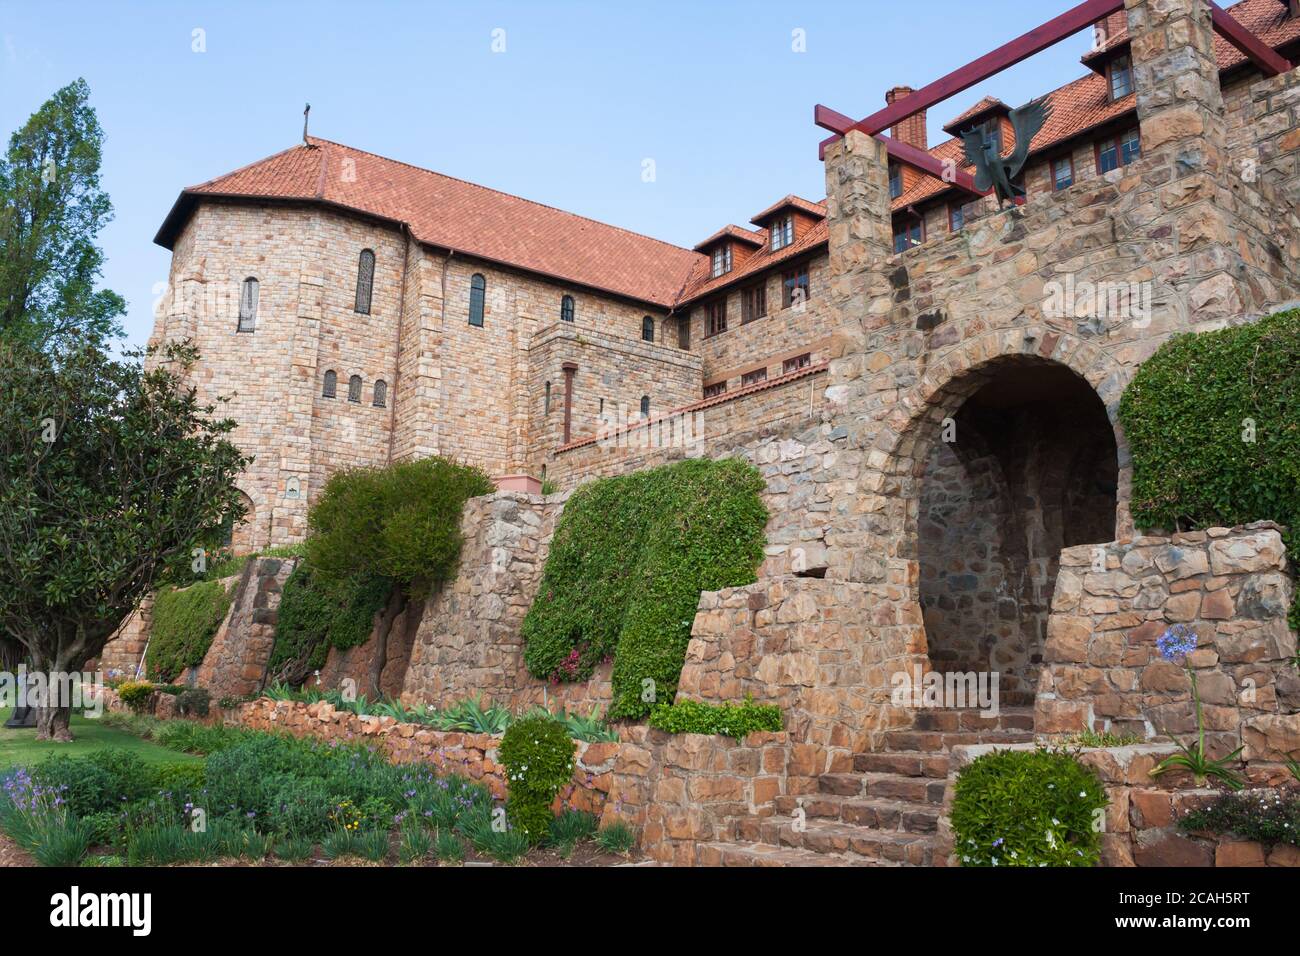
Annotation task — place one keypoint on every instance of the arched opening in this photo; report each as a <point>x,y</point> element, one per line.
<point>242,538</point>
<point>1025,465</point>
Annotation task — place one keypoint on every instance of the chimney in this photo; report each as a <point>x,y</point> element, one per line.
<point>1112,26</point>
<point>911,130</point>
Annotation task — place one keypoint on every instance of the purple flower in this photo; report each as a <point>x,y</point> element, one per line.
<point>1176,643</point>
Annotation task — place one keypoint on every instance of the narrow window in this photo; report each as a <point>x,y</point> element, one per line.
<point>365,281</point>
<point>721,260</point>
<point>717,313</point>
<point>714,390</point>
<point>546,400</point>
<point>956,217</point>
<point>648,328</point>
<point>794,287</point>
<point>1130,147</point>
<point>1121,78</point>
<point>566,308</point>
<point>354,388</point>
<point>477,293</point>
<point>684,333</point>
<point>782,232</point>
<point>753,303</point>
<point>248,305</point>
<point>1063,173</point>
<point>754,377</point>
<point>796,363</point>
<point>909,232</point>
<point>331,385</point>
<point>645,406</point>
<point>895,181</point>
<point>1107,156</point>
<point>381,393</point>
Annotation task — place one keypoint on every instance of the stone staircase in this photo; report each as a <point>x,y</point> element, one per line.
<point>885,813</point>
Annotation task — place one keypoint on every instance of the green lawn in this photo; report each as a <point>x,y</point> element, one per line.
<point>21,747</point>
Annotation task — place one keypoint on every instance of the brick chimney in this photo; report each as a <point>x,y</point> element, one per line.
<point>1112,26</point>
<point>911,130</point>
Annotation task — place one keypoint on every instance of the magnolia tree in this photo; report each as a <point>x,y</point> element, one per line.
<point>110,471</point>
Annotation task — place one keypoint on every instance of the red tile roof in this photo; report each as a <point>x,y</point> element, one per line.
<point>453,214</point>
<point>987,105</point>
<point>702,282</point>
<point>790,202</point>
<point>735,232</point>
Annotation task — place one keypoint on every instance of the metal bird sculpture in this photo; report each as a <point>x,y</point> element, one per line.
<point>996,172</point>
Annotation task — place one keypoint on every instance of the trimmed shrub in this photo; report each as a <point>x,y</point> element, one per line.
<point>1027,808</point>
<point>731,720</point>
<point>537,753</point>
<point>136,694</point>
<point>1213,422</point>
<point>99,782</point>
<point>315,615</point>
<point>183,625</point>
<point>626,568</point>
<point>401,522</point>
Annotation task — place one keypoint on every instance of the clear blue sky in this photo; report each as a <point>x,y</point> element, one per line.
<point>712,92</point>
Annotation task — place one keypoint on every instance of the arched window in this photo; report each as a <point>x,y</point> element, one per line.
<point>354,388</point>
<point>546,401</point>
<point>648,328</point>
<point>566,308</point>
<point>331,384</point>
<point>645,406</point>
<point>248,305</point>
<point>365,281</point>
<point>381,393</point>
<point>477,293</point>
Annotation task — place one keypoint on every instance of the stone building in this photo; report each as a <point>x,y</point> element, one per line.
<point>358,310</point>
<point>928,383</point>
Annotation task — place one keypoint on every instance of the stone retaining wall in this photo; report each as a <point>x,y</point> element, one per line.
<point>1231,586</point>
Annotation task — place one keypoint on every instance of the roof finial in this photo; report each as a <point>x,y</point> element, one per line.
<point>304,124</point>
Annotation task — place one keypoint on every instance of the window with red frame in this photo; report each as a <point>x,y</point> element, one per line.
<point>753,303</point>
<point>908,232</point>
<point>1121,77</point>
<point>1063,173</point>
<point>796,363</point>
<point>1118,151</point>
<point>716,313</point>
<point>794,287</point>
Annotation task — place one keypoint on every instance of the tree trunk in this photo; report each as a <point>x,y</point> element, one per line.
<point>379,660</point>
<point>52,723</point>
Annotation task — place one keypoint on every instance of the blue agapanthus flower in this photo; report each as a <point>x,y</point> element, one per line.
<point>1176,643</point>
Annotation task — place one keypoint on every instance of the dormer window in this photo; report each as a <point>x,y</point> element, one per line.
<point>721,260</point>
<point>782,231</point>
<point>1121,77</point>
<point>895,181</point>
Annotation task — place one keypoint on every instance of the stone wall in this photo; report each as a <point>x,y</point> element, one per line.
<point>468,641</point>
<point>1231,586</point>
<point>235,664</point>
<point>125,649</point>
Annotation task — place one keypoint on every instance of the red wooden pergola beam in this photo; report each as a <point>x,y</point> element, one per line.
<point>1007,55</point>
<point>1255,49</point>
<point>901,152</point>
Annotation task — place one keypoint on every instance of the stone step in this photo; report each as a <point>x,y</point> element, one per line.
<point>892,786</point>
<point>932,741</point>
<point>908,763</point>
<point>830,837</point>
<point>840,784</point>
<point>764,854</point>
<point>860,811</point>
<point>953,720</point>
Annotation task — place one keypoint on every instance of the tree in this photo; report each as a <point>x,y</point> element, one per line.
<point>110,470</point>
<point>51,210</point>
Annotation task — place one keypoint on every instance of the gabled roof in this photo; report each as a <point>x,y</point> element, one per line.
<point>702,283</point>
<point>449,213</point>
<point>790,202</point>
<point>733,232</point>
<point>990,104</point>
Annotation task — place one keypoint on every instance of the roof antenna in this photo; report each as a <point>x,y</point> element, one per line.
<point>304,124</point>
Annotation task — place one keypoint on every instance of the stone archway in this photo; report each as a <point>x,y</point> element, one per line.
<point>908,434</point>
<point>1026,466</point>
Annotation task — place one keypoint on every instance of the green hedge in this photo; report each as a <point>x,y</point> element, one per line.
<point>626,568</point>
<point>1186,416</point>
<point>183,625</point>
<point>373,530</point>
<point>731,720</point>
<point>1028,808</point>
